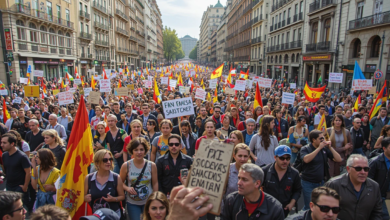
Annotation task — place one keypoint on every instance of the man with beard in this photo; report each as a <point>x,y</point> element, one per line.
<point>282,181</point>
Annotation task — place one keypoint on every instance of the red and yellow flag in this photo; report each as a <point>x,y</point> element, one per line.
<point>215,99</point>
<point>313,94</point>
<point>93,82</point>
<point>357,102</point>
<point>119,84</point>
<point>258,101</point>
<point>6,114</point>
<point>322,124</point>
<point>79,155</point>
<point>217,72</point>
<point>180,80</point>
<point>156,94</point>
<point>378,102</point>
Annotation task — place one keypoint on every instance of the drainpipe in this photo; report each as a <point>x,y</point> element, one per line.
<point>338,38</point>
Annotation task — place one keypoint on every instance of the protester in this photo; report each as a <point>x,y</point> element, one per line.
<point>189,138</point>
<point>241,154</point>
<point>146,115</point>
<point>297,136</point>
<point>226,129</point>
<point>248,133</point>
<point>209,127</point>
<point>11,206</point>
<point>156,207</point>
<point>99,140</point>
<point>357,137</point>
<point>377,124</point>
<point>115,138</point>
<point>54,143</point>
<point>103,213</point>
<point>136,132</point>
<point>385,132</point>
<point>61,131</point>
<point>152,130</point>
<point>236,137</point>
<point>20,143</point>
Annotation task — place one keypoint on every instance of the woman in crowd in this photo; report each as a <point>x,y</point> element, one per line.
<point>20,143</point>
<point>297,136</point>
<point>235,117</point>
<point>99,139</point>
<point>301,112</point>
<point>104,188</point>
<point>44,175</point>
<point>241,154</point>
<point>152,130</point>
<point>341,142</point>
<point>256,114</point>
<point>385,132</point>
<point>136,131</point>
<point>264,142</point>
<point>141,176</point>
<point>236,137</point>
<point>266,111</point>
<point>226,128</point>
<point>157,207</point>
<point>54,143</point>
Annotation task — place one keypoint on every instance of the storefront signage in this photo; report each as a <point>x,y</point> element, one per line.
<point>83,61</point>
<point>23,62</point>
<point>40,61</point>
<point>38,73</point>
<point>370,68</point>
<point>278,67</point>
<point>8,39</point>
<point>316,58</point>
<point>53,62</point>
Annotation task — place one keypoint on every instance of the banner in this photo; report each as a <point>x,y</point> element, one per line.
<point>230,91</point>
<point>213,83</point>
<point>105,85</point>
<point>130,86</point>
<point>182,89</point>
<point>87,91</point>
<point>122,91</point>
<point>77,81</point>
<point>200,94</point>
<point>31,91</point>
<point>172,83</point>
<point>65,98</point>
<point>293,85</point>
<point>335,77</point>
<point>362,84</point>
<point>265,82</point>
<point>240,85</point>
<point>249,83</point>
<point>38,73</point>
<point>178,107</point>
<point>164,80</point>
<point>288,98</point>
<point>148,83</point>
<point>56,91</point>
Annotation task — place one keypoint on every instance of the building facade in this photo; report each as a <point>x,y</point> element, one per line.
<point>222,55</point>
<point>187,44</point>
<point>259,34</point>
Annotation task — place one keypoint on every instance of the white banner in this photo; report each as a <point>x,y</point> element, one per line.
<point>293,85</point>
<point>3,92</point>
<point>362,84</point>
<point>77,81</point>
<point>336,77</point>
<point>172,83</point>
<point>164,80</point>
<point>38,73</point>
<point>256,78</point>
<point>65,98</point>
<point>105,85</point>
<point>200,94</point>
<point>249,83</point>
<point>213,83</point>
<point>23,80</point>
<point>87,91</point>
<point>182,89</point>
<point>288,98</point>
<point>17,100</point>
<point>240,85</point>
<point>178,107</point>
<point>148,83</point>
<point>265,82</point>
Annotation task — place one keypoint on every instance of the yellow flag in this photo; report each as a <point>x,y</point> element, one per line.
<point>322,124</point>
<point>208,97</point>
<point>217,72</point>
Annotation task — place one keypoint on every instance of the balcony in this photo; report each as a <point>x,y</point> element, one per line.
<point>318,5</point>
<point>121,14</point>
<point>283,23</point>
<point>85,55</point>
<point>86,35</point>
<point>298,17</point>
<point>101,43</point>
<point>99,7</point>
<point>271,28</point>
<point>100,25</point>
<point>41,15</point>
<point>288,20</point>
<point>120,30</point>
<point>255,20</point>
<point>318,47</point>
<point>296,44</point>
<point>133,38</point>
<point>132,28</point>
<point>122,49</point>
<point>370,21</point>
<point>149,50</point>
<point>84,14</point>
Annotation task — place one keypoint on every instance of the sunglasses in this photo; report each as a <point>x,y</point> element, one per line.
<point>105,160</point>
<point>217,111</point>
<point>358,169</point>
<point>324,208</point>
<point>322,138</point>
<point>284,158</point>
<point>174,144</point>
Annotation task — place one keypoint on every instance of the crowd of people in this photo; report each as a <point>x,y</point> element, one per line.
<point>140,155</point>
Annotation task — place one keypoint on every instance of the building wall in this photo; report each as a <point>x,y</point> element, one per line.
<point>188,43</point>
<point>259,33</point>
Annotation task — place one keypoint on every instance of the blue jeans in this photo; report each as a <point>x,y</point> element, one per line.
<point>358,151</point>
<point>293,158</point>
<point>135,211</point>
<point>307,188</point>
<point>118,164</point>
<point>385,212</point>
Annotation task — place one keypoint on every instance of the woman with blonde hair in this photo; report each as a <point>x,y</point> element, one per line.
<point>136,131</point>
<point>236,137</point>
<point>54,143</point>
<point>99,139</point>
<point>157,207</point>
<point>241,154</point>
<point>104,188</point>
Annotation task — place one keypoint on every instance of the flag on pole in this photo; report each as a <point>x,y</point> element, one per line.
<point>6,114</point>
<point>217,72</point>
<point>322,124</point>
<point>215,99</point>
<point>357,102</point>
<point>156,94</point>
<point>180,80</point>
<point>230,81</point>
<point>378,102</point>
<point>69,77</point>
<point>119,84</point>
<point>319,80</point>
<point>93,82</point>
<point>258,101</point>
<point>313,94</point>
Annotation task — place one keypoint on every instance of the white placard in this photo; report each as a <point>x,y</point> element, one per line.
<point>98,77</point>
<point>187,90</point>
<point>288,98</point>
<point>164,80</point>
<point>240,85</point>
<point>17,100</point>
<point>293,85</point>
<point>73,90</point>
<point>362,84</point>
<point>77,81</point>
<point>265,82</point>
<point>178,107</point>
<point>249,83</point>
<point>65,98</point>
<point>336,77</point>
<point>105,85</point>
<point>87,91</point>
<point>150,78</point>
<point>192,72</point>
<point>172,83</point>
<point>23,80</point>
<point>182,89</point>
<point>256,78</point>
<point>38,73</point>
<point>148,83</point>
<point>200,94</point>
<point>213,83</point>
<point>112,76</point>
<point>3,92</point>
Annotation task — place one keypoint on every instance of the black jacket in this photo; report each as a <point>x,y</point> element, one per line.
<point>353,135</point>
<point>141,117</point>
<point>168,173</point>
<point>192,140</point>
<point>379,173</point>
<point>283,127</point>
<point>285,190</point>
<point>234,209</point>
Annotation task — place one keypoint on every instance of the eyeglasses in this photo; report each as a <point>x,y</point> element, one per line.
<point>325,208</point>
<point>37,113</point>
<point>284,158</point>
<point>358,169</point>
<point>105,160</point>
<point>322,138</point>
<point>19,209</point>
<point>217,111</point>
<point>174,144</point>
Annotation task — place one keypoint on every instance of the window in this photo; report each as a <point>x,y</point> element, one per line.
<point>20,29</point>
<point>49,11</point>
<point>52,37</point>
<point>282,39</point>
<point>276,59</point>
<point>86,8</point>
<point>294,31</point>
<point>288,36</point>
<point>375,46</point>
<point>301,4</point>
<point>81,27</point>
<point>296,9</point>
<point>314,32</point>
<point>60,39</point>
<point>43,34</point>
<point>299,33</point>
<point>289,13</point>
<point>284,15</point>
<point>292,58</point>
<point>67,14</point>
<point>360,7</point>
<point>81,6</point>
<point>356,48</point>
<point>59,12</point>
<point>87,29</point>
<point>327,30</point>
<point>33,33</point>
<point>286,58</point>
<point>68,40</point>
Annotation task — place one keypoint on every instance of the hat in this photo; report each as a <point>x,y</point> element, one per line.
<point>282,150</point>
<point>103,213</point>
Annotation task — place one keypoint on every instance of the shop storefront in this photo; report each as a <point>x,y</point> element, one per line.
<point>85,65</point>
<point>23,66</point>
<point>348,73</point>
<point>369,71</point>
<point>278,72</point>
<point>53,68</point>
<point>269,71</point>
<point>316,67</point>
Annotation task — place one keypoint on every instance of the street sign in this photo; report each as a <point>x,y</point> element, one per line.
<point>378,74</point>
<point>8,39</point>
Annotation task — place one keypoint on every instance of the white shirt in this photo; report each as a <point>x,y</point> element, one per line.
<point>317,119</point>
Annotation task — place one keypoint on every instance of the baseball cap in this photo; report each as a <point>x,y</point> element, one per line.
<point>103,213</point>
<point>282,150</point>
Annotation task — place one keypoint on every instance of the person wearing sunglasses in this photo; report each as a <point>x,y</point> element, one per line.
<point>325,204</point>
<point>282,181</point>
<point>104,188</point>
<point>361,196</point>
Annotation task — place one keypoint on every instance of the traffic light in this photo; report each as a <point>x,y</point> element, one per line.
<point>10,72</point>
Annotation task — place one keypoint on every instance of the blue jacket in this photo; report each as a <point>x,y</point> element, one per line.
<point>91,115</point>
<point>283,127</point>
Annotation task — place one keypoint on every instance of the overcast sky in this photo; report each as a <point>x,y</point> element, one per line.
<point>184,15</point>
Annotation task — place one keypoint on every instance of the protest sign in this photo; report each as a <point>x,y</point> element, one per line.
<point>38,73</point>
<point>94,97</point>
<point>140,91</point>
<point>240,85</point>
<point>150,78</point>
<point>182,89</point>
<point>105,85</point>
<point>372,91</point>
<point>192,72</point>
<point>148,83</point>
<point>230,91</point>
<point>77,81</point>
<point>31,91</point>
<point>73,90</point>
<point>249,83</point>
<point>210,171</point>
<point>65,98</point>
<point>17,100</point>
<point>178,107</point>
<point>56,91</point>
<point>130,86</point>
<point>265,82</point>
<point>172,83</point>
<point>362,84</point>
<point>335,77</point>
<point>293,85</point>
<point>213,83</point>
<point>200,94</point>
<point>87,91</point>
<point>23,80</point>
<point>123,91</point>
<point>288,98</point>
<point>98,77</point>
<point>164,80</point>
<point>256,78</point>
<point>3,92</point>
<point>187,90</point>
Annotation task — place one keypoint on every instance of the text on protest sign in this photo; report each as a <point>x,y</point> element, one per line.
<point>265,82</point>
<point>31,91</point>
<point>123,91</point>
<point>77,81</point>
<point>293,85</point>
<point>17,100</point>
<point>213,83</point>
<point>105,85</point>
<point>335,77</point>
<point>164,80</point>
<point>38,73</point>
<point>182,89</point>
<point>230,91</point>
<point>65,98</point>
<point>288,98</point>
<point>249,83</point>
<point>3,92</point>
<point>87,91</point>
<point>210,171</point>
<point>240,85</point>
<point>362,84</point>
<point>94,97</point>
<point>147,83</point>
<point>172,83</point>
<point>23,80</point>
<point>178,107</point>
<point>200,94</point>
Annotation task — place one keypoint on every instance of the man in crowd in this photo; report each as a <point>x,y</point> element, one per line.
<point>58,127</point>
<point>377,124</point>
<point>188,137</point>
<point>217,116</point>
<point>11,206</point>
<point>242,125</point>
<point>146,116</point>
<point>14,116</point>
<point>317,117</point>
<point>64,119</point>
<point>281,125</point>
<point>91,112</point>
<point>43,122</point>
<point>34,137</point>
<point>249,131</point>
<point>115,141</point>
<point>117,112</point>
<point>44,113</point>
<point>96,119</point>
<point>357,136</point>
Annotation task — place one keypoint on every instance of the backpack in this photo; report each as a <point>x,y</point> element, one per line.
<point>298,163</point>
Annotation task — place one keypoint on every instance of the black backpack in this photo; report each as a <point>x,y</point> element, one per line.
<point>298,163</point>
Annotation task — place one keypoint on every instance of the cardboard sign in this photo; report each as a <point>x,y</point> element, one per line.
<point>148,83</point>
<point>23,80</point>
<point>200,94</point>
<point>240,85</point>
<point>372,91</point>
<point>265,82</point>
<point>288,98</point>
<point>3,92</point>
<point>31,91</point>
<point>293,85</point>
<point>230,91</point>
<point>17,100</point>
<point>38,73</point>
<point>94,97</point>
<point>56,91</point>
<point>188,89</point>
<point>178,107</point>
<point>130,87</point>
<point>336,77</point>
<point>213,83</point>
<point>65,98</point>
<point>249,83</point>
<point>182,89</point>
<point>87,91</point>
<point>362,84</point>
<point>77,81</point>
<point>172,83</point>
<point>164,80</point>
<point>105,85</point>
<point>210,171</point>
<point>122,91</point>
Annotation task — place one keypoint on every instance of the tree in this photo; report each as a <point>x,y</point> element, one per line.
<point>172,45</point>
<point>194,53</point>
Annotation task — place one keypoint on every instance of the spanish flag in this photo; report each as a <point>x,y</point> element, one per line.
<point>208,97</point>
<point>104,74</point>
<point>322,124</point>
<point>79,155</point>
<point>258,101</point>
<point>180,80</point>
<point>43,86</point>
<point>6,114</point>
<point>378,102</point>
<point>229,80</point>
<point>217,72</point>
<point>357,102</point>
<point>215,99</point>
<point>93,82</point>
<point>313,94</point>
<point>119,84</point>
<point>156,94</point>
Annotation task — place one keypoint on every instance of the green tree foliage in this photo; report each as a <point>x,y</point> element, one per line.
<point>194,53</point>
<point>172,45</point>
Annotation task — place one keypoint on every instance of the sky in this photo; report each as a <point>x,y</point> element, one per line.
<point>184,15</point>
